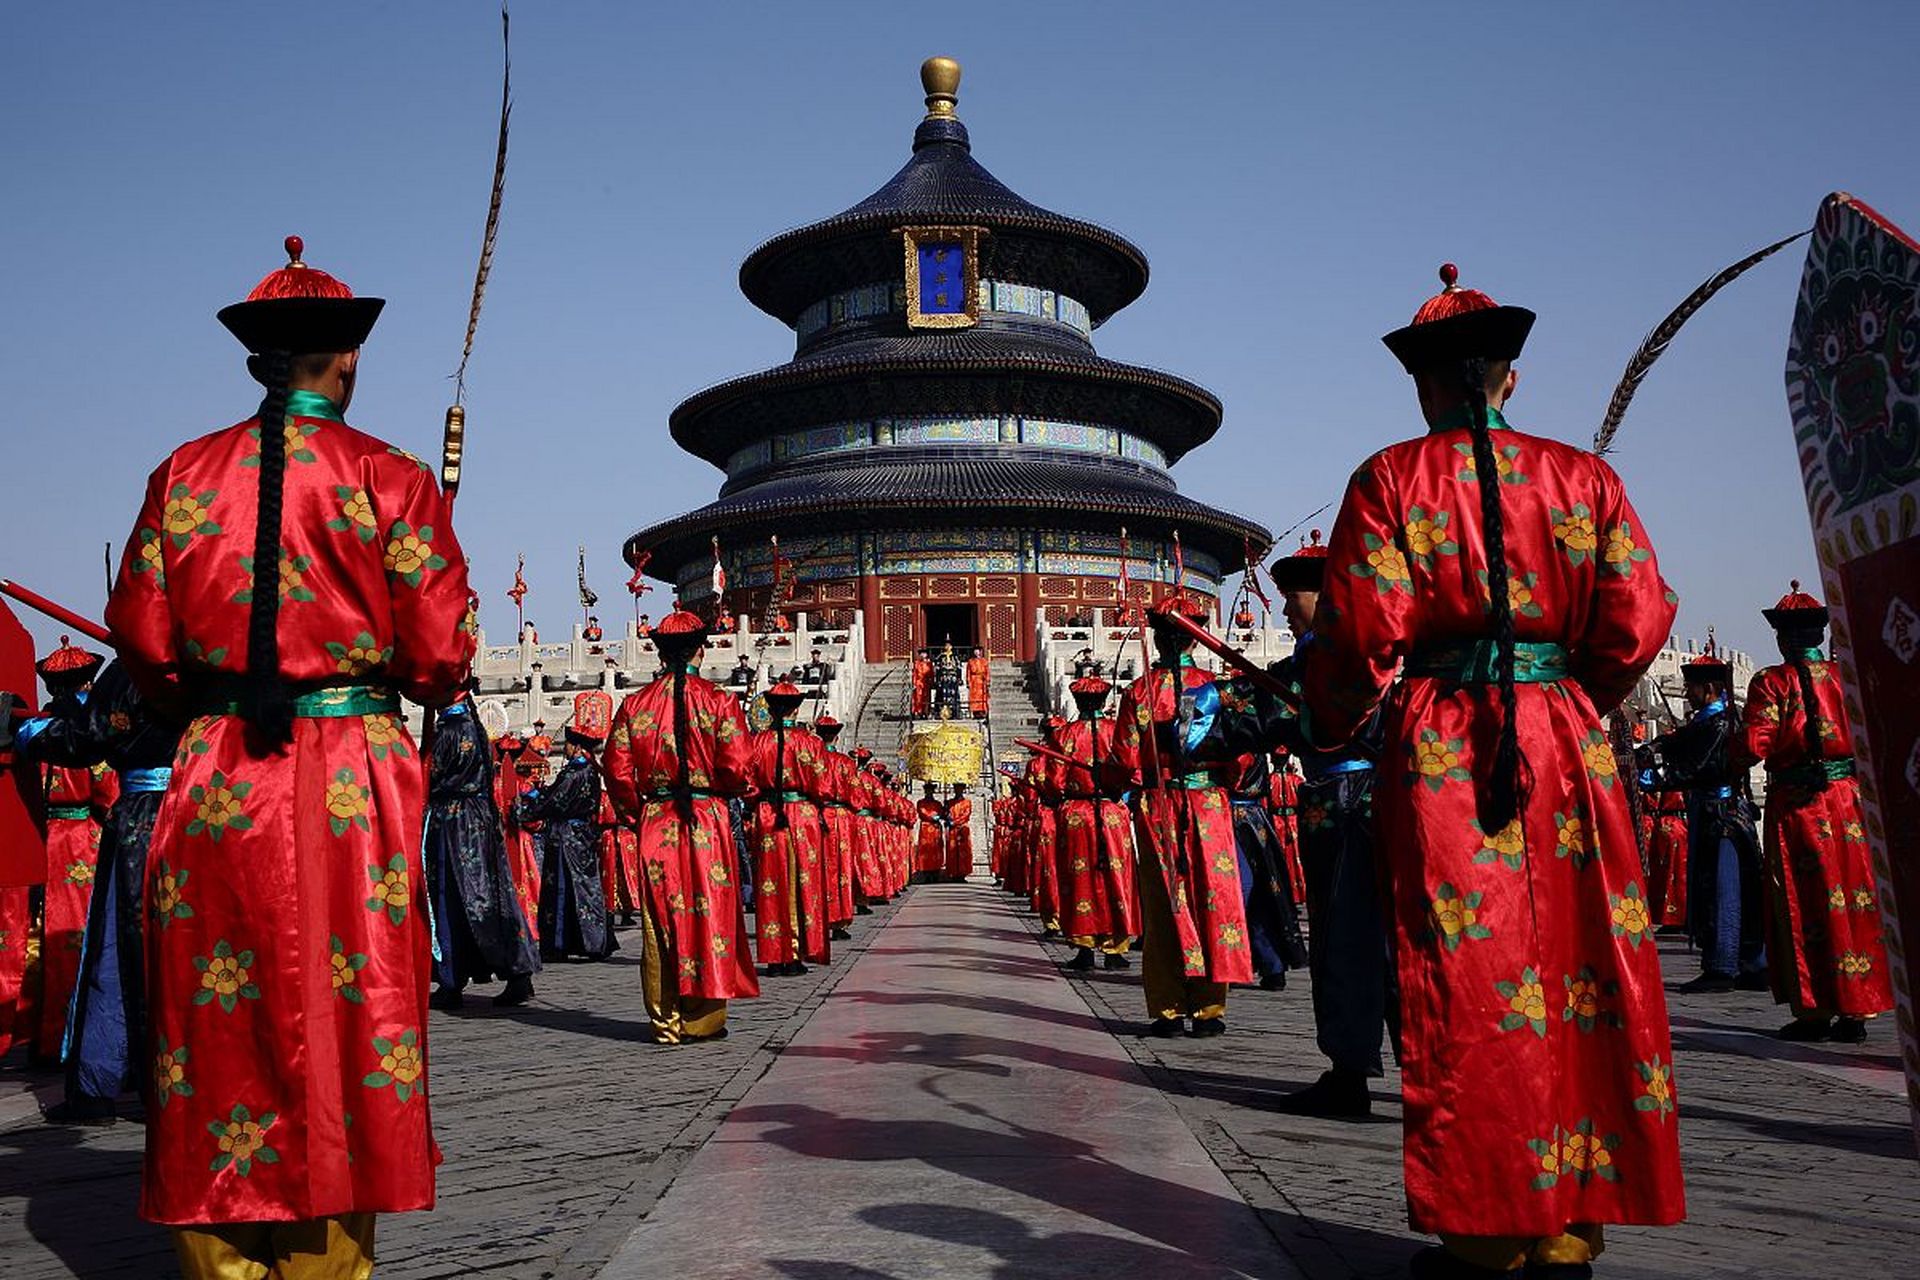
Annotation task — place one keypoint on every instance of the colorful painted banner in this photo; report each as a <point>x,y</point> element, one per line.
<point>1853,387</point>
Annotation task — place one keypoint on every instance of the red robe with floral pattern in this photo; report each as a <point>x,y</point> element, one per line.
<point>77,804</point>
<point>1536,1066</point>
<point>619,859</point>
<point>287,963</point>
<point>1095,836</point>
<point>1825,948</point>
<point>1667,857</point>
<point>790,909</point>
<point>688,870</point>
<point>1184,829</point>
<point>843,846</point>
<point>1283,808</point>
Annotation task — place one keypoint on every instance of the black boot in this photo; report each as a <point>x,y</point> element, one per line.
<point>1336,1095</point>
<point>518,991</point>
<point>446,998</point>
<point>1082,960</point>
<point>1849,1031</point>
<point>1806,1030</point>
<point>863,910</point>
<point>839,934</point>
<point>1166,1028</point>
<point>96,1112</point>
<point>1207,1028</point>
<point>1274,982</point>
<point>1118,960</point>
<point>1708,983</point>
<point>1435,1263</point>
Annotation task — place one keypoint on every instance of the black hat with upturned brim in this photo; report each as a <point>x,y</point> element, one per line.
<point>300,309</point>
<point>1459,324</point>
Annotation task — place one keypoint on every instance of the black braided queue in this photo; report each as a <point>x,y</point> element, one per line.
<point>779,772</point>
<point>676,657</point>
<point>264,701</point>
<point>1503,797</point>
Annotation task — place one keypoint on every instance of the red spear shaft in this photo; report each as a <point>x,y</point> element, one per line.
<point>1233,657</point>
<point>1042,749</point>
<point>58,612</point>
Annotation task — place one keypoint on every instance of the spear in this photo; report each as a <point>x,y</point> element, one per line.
<point>58,612</point>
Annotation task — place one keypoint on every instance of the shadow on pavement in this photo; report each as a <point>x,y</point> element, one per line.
<point>958,1051</point>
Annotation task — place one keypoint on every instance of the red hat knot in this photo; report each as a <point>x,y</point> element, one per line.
<point>1452,300</point>
<point>297,279</point>
<point>1797,599</point>
<point>680,622</point>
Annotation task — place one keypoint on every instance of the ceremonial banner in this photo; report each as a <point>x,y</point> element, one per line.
<point>1853,387</point>
<point>23,848</point>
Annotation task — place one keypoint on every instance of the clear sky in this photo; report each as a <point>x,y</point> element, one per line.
<point>1294,173</point>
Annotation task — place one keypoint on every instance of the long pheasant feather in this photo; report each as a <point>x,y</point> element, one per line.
<point>1663,333</point>
<point>492,232</point>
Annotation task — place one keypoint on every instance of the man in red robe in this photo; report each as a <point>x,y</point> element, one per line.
<point>788,770</point>
<point>979,681</point>
<point>1096,837</point>
<point>287,580</point>
<point>840,844</point>
<point>930,845</point>
<point>678,750</point>
<point>1825,953</point>
<point>78,798</point>
<point>1193,920</point>
<point>922,682</point>
<point>959,864</point>
<point>1508,582</point>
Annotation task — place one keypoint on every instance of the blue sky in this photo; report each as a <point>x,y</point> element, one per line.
<point>1295,174</point>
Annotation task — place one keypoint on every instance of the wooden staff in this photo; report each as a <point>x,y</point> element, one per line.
<point>58,612</point>
<point>1234,658</point>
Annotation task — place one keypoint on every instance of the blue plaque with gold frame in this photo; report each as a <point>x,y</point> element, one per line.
<point>943,276</point>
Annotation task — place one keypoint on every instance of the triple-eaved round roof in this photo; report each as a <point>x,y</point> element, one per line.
<point>943,184</point>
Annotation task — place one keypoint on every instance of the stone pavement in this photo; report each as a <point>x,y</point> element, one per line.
<point>564,1129</point>
<point>1800,1160</point>
<point>952,1110</point>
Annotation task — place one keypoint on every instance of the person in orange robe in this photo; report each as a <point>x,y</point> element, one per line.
<point>1496,590</point>
<point>1283,808</point>
<point>930,849</point>
<point>1825,951</point>
<point>1096,837</point>
<point>678,749</point>
<point>959,834</point>
<point>841,844</point>
<point>979,681</point>
<point>287,581</point>
<point>922,682</point>
<point>788,770</point>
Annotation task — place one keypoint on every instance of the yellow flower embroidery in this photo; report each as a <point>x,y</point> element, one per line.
<point>391,890</point>
<point>1420,537</point>
<point>1387,561</point>
<point>1630,917</point>
<point>1433,757</point>
<point>226,977</point>
<point>182,516</point>
<point>1599,759</point>
<point>402,1065</point>
<point>346,803</point>
<point>170,1073</point>
<point>217,807</point>
<point>1576,531</point>
<point>406,555</point>
<point>1620,545</point>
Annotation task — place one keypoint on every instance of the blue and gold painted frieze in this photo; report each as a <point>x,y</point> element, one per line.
<point>838,437</point>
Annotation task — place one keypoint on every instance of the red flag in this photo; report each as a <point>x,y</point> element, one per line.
<point>518,592</point>
<point>637,584</point>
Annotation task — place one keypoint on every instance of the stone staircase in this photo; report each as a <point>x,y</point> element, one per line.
<point>880,722</point>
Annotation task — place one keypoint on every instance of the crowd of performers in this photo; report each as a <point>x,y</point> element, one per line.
<point>254,877</point>
<point>946,686</point>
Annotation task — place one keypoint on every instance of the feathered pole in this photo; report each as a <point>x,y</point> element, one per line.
<point>1655,344</point>
<point>453,443</point>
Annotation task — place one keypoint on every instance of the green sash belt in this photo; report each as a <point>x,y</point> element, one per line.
<point>1475,662</point>
<point>1286,811</point>
<point>863,813</point>
<point>1199,781</point>
<point>1814,773</point>
<point>674,793</point>
<point>71,812</point>
<point>789,797</point>
<point>329,702</point>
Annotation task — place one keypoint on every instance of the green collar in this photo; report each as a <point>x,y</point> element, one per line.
<point>1462,416</point>
<point>311,404</point>
<point>1809,655</point>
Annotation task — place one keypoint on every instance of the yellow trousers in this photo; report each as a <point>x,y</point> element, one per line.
<point>1580,1242</point>
<point>1170,992</point>
<point>676,1018</point>
<point>338,1248</point>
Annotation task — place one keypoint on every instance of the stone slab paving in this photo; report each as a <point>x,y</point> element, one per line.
<point>1800,1160</point>
<point>561,1124</point>
<point>952,1110</point>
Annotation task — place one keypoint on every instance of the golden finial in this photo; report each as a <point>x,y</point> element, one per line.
<point>940,77</point>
